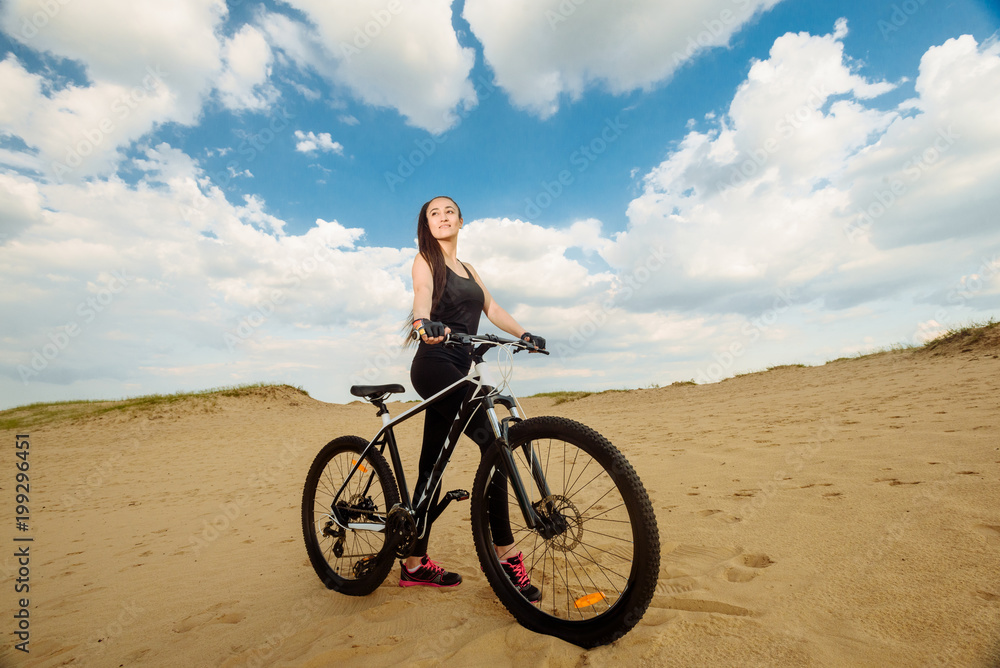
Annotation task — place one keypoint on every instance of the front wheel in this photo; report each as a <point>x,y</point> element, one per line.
<point>348,560</point>
<point>596,557</point>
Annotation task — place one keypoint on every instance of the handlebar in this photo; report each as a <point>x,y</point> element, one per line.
<point>486,341</point>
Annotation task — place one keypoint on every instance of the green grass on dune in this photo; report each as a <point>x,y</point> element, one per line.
<point>959,336</point>
<point>562,397</point>
<point>40,414</point>
<point>967,335</point>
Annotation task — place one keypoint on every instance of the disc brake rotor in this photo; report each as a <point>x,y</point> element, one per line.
<point>564,521</point>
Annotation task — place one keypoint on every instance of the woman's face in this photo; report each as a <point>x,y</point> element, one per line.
<point>443,218</point>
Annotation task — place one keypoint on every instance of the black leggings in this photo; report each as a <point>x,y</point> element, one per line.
<point>432,371</point>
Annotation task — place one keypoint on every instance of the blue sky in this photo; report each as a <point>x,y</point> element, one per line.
<point>665,190</point>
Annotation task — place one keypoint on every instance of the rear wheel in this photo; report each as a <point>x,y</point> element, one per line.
<point>347,560</point>
<point>596,558</point>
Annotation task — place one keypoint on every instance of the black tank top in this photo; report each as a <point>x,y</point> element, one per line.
<point>459,308</point>
<point>460,304</point>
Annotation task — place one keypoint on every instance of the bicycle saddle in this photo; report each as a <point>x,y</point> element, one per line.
<point>373,390</point>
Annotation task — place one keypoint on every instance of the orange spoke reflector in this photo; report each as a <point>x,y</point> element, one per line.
<point>588,600</point>
<point>362,467</point>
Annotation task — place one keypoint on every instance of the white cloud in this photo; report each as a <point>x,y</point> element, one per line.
<point>528,262</point>
<point>770,197</point>
<point>402,55</point>
<point>244,82</point>
<point>139,74</point>
<point>77,131</point>
<point>203,280</point>
<point>20,205</point>
<point>117,41</point>
<point>540,50</point>
<point>310,142</point>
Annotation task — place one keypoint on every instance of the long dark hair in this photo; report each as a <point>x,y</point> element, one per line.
<point>429,247</point>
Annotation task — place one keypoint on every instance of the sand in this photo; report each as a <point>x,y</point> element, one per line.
<point>840,515</point>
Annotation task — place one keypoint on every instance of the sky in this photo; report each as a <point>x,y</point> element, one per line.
<point>198,194</point>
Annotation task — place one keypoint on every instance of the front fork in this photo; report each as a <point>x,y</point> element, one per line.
<point>546,524</point>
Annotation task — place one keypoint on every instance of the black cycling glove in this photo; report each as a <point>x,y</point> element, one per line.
<point>429,328</point>
<point>536,341</point>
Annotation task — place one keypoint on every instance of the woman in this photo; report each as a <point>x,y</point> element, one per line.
<point>448,296</point>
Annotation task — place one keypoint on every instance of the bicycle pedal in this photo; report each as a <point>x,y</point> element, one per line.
<point>457,495</point>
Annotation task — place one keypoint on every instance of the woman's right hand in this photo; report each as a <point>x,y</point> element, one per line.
<point>431,331</point>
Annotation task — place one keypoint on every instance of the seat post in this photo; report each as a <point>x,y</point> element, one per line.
<point>383,412</point>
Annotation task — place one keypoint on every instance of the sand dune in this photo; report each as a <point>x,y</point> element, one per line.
<point>842,515</point>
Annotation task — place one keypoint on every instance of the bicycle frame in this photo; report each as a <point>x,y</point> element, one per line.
<point>477,395</point>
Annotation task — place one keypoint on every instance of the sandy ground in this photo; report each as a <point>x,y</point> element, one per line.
<point>842,515</point>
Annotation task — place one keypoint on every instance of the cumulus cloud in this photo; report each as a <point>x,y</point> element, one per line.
<point>529,262</point>
<point>244,82</point>
<point>170,275</point>
<point>139,73</point>
<point>803,184</point>
<point>310,142</point>
<point>540,50</point>
<point>77,131</point>
<point>401,55</point>
<point>20,205</point>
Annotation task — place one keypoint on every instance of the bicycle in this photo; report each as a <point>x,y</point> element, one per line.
<point>578,510</point>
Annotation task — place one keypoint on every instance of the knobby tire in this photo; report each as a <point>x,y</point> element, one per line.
<point>598,576</point>
<point>372,492</point>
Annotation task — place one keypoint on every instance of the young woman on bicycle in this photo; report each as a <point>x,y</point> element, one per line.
<point>448,296</point>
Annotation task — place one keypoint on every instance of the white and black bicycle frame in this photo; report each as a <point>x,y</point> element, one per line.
<point>478,395</point>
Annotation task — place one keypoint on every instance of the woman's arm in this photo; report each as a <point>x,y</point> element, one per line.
<point>496,313</point>
<point>423,291</point>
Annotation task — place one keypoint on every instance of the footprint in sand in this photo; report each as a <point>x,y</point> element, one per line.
<point>691,568</point>
<point>752,565</point>
<point>213,615</point>
<point>990,531</point>
<point>725,518</point>
<point>757,560</point>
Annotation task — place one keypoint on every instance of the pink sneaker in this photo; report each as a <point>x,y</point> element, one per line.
<point>514,568</point>
<point>429,574</point>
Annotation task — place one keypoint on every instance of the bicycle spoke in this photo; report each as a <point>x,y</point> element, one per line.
<point>593,585</point>
<point>603,567</point>
<point>586,561</point>
<point>568,491</point>
<point>364,499</point>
